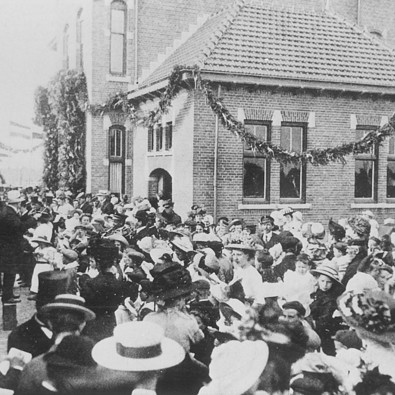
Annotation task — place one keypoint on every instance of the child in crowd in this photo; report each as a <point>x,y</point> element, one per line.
<point>300,284</point>
<point>324,305</point>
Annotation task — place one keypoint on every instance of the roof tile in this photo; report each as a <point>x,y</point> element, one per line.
<point>270,43</point>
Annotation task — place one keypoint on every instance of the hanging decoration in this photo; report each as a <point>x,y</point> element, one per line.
<point>12,150</point>
<point>317,156</point>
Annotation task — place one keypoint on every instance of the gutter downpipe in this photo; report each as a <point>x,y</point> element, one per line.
<point>359,13</point>
<point>136,19</point>
<point>216,158</point>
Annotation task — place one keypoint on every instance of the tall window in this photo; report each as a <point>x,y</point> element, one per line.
<point>118,37</point>
<point>160,138</point>
<point>66,47</point>
<point>169,136</point>
<point>366,169</point>
<point>391,168</point>
<point>79,42</point>
<point>116,159</point>
<point>292,176</point>
<point>256,167</point>
<point>150,139</point>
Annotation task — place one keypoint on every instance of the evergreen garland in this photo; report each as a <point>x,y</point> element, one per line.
<point>47,120</point>
<point>61,110</point>
<point>318,156</point>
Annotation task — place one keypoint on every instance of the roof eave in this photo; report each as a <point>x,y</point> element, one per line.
<point>297,83</point>
<point>269,82</point>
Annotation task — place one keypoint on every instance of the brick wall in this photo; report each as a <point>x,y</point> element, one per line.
<point>329,189</point>
<point>161,22</point>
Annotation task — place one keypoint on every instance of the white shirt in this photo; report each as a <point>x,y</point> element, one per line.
<point>251,281</point>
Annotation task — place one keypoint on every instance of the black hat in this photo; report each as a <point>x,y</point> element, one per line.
<point>295,305</point>
<point>336,230</point>
<point>171,283</point>
<point>51,284</point>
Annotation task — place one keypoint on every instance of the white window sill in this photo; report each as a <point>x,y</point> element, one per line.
<point>263,206</point>
<point>118,78</point>
<point>373,205</point>
<point>160,153</point>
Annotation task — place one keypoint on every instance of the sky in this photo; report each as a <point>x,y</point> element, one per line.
<point>26,28</point>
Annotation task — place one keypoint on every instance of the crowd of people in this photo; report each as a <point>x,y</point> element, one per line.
<point>131,298</point>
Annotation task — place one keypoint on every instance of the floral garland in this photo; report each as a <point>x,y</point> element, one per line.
<point>318,156</point>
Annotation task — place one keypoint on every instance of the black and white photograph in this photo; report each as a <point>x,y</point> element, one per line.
<point>197,197</point>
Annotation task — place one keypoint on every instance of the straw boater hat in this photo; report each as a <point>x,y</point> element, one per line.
<point>138,346</point>
<point>118,237</point>
<point>68,302</point>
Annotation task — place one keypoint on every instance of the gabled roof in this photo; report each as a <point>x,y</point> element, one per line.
<point>252,40</point>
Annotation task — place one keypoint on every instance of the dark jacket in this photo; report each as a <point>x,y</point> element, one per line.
<point>103,294</point>
<point>288,263</point>
<point>352,268</point>
<point>11,240</point>
<point>29,337</point>
<point>259,239</point>
<point>87,208</point>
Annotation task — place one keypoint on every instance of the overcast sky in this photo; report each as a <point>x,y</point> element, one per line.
<point>26,28</point>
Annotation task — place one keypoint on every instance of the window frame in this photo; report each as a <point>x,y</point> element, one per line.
<point>118,5</point>
<point>302,198</point>
<point>267,178</point>
<point>66,46</point>
<point>390,158</point>
<point>375,161</point>
<point>115,158</point>
<point>79,41</point>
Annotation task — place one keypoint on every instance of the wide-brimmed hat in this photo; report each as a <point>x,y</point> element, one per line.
<point>41,239</point>
<point>132,253</point>
<point>118,237</point>
<point>182,242</point>
<point>240,247</point>
<point>103,192</point>
<point>329,271</point>
<point>372,314</point>
<point>138,346</point>
<point>172,282</point>
<point>69,302</point>
<point>236,366</point>
<point>158,253</point>
<point>70,255</point>
<point>15,196</point>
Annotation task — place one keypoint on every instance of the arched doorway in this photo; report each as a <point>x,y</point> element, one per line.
<point>160,183</point>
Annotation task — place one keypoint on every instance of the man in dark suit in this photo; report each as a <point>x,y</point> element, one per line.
<point>265,237</point>
<point>34,336</point>
<point>11,244</point>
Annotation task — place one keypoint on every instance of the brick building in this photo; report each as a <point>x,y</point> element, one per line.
<point>304,74</point>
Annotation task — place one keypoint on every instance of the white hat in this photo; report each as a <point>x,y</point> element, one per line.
<point>389,221</point>
<point>236,366</point>
<point>183,243</point>
<point>138,346</point>
<point>15,196</point>
<point>157,253</point>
